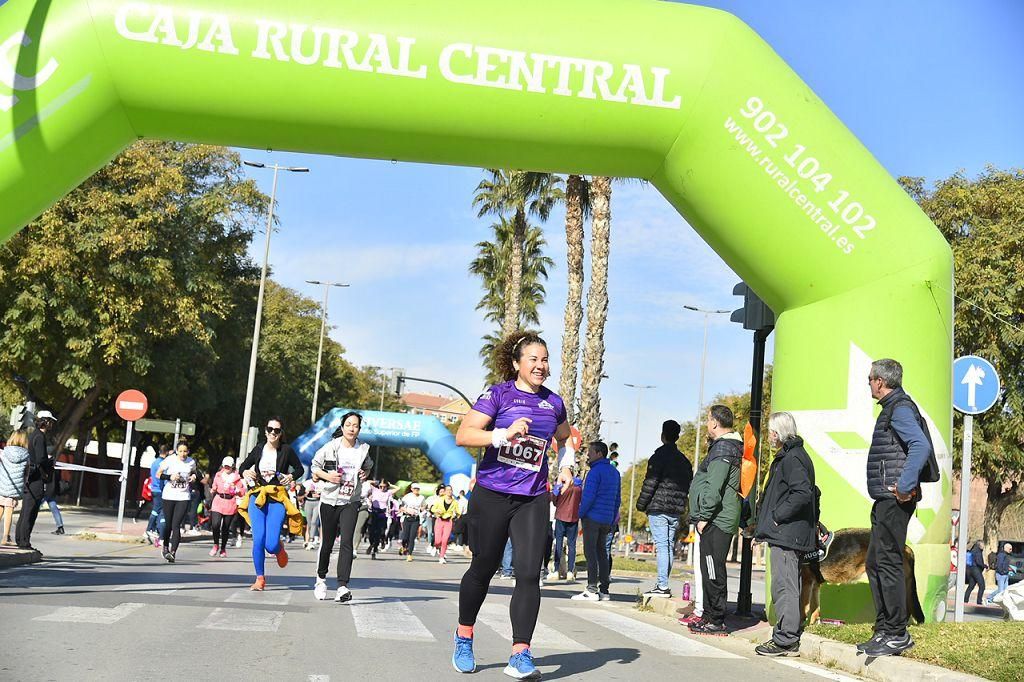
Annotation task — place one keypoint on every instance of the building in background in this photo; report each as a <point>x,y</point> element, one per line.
<point>444,407</point>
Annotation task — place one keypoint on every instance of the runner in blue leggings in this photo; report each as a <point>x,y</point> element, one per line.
<point>515,421</point>
<point>269,468</point>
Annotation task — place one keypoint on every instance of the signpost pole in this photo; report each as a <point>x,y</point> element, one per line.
<point>125,455</point>
<point>965,497</point>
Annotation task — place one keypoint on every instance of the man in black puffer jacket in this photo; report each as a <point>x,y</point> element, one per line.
<point>663,497</point>
<point>787,522</point>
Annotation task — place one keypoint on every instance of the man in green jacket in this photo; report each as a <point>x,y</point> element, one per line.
<point>715,509</point>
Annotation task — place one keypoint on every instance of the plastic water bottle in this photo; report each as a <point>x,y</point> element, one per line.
<point>686,591</point>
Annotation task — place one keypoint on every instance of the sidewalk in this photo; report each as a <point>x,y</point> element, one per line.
<point>832,654</point>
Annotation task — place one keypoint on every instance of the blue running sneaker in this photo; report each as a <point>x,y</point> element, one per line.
<point>521,667</point>
<point>463,660</point>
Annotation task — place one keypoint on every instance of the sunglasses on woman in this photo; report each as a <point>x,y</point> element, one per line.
<point>273,430</point>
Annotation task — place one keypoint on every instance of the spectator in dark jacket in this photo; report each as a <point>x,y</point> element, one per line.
<point>663,498</point>
<point>567,523</point>
<point>1002,569</point>
<point>602,495</point>
<point>976,573</point>
<point>787,522</point>
<point>40,473</point>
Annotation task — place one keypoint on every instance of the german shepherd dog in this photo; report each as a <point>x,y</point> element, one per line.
<point>844,564</point>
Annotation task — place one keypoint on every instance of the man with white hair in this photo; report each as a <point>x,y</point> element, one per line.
<point>787,521</point>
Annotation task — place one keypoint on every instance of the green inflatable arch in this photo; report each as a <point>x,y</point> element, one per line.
<point>689,98</point>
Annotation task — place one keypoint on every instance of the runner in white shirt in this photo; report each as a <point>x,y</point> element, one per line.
<point>412,505</point>
<point>178,472</point>
<point>340,466</point>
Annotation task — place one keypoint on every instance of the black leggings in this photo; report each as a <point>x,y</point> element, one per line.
<point>493,519</point>
<point>221,524</point>
<point>174,513</point>
<point>337,522</point>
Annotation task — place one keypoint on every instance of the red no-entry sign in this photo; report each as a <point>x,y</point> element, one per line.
<point>131,405</point>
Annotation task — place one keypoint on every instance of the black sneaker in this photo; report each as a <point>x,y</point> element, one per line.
<point>704,627</point>
<point>875,639</point>
<point>772,648</point>
<point>890,646</point>
<point>662,592</point>
<point>169,557</point>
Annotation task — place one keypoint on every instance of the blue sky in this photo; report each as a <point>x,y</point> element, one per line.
<point>928,87</point>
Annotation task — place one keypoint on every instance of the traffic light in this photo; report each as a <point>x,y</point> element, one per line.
<point>21,418</point>
<point>398,382</point>
<point>755,315</point>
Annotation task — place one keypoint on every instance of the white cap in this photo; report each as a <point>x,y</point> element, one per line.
<point>228,462</point>
<point>45,414</point>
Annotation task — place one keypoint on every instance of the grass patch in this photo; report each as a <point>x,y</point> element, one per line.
<point>991,650</point>
<point>620,563</point>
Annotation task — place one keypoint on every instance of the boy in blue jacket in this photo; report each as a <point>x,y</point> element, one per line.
<point>602,495</point>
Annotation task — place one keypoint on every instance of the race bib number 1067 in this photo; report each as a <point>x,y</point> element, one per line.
<point>527,452</point>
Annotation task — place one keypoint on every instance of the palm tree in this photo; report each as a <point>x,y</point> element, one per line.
<point>577,209</point>
<point>491,266</point>
<point>518,194</point>
<point>597,310</point>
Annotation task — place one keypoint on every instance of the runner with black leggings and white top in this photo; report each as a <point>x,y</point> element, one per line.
<point>342,465</point>
<point>515,421</point>
<point>178,472</point>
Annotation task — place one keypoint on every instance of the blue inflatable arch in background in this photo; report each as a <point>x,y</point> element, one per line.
<point>395,429</point>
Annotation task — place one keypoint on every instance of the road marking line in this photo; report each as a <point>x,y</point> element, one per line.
<point>645,633</point>
<point>827,674</point>
<point>272,597</point>
<point>155,588</point>
<point>243,620</point>
<point>389,619</point>
<point>495,616</point>
<point>319,678</point>
<point>91,614</point>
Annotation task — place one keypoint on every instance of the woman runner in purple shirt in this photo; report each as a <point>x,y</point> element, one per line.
<point>515,421</point>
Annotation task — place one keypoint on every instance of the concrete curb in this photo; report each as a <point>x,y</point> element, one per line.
<point>19,557</point>
<point>125,538</point>
<point>832,654</point>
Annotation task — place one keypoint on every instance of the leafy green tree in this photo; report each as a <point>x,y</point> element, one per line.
<point>131,272</point>
<point>983,220</point>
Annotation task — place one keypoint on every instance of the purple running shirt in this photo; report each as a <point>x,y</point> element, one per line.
<point>520,468</point>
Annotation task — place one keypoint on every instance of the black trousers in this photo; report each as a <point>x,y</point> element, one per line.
<point>378,528</point>
<point>174,513</point>
<point>34,494</point>
<point>221,524</point>
<point>494,518</point>
<point>884,564</point>
<point>975,577</point>
<point>410,526</point>
<point>337,523</point>
<point>714,548</point>
<point>596,552</point>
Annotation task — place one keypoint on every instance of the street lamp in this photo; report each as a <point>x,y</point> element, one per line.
<point>700,413</point>
<point>247,413</point>
<point>632,468</point>
<point>319,354</point>
<point>703,361</point>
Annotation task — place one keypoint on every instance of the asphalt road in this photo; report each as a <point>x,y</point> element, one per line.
<point>106,611</point>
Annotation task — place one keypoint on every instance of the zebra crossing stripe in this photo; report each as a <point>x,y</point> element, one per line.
<point>272,597</point>
<point>91,614</point>
<point>243,620</point>
<point>495,616</point>
<point>651,635</point>
<point>388,619</point>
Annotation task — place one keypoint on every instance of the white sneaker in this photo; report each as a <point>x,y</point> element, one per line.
<point>238,542</point>
<point>442,560</point>
<point>571,576</point>
<point>586,595</point>
<point>343,595</point>
<point>320,589</point>
<point>604,596</point>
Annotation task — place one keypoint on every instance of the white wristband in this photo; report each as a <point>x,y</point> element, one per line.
<point>566,457</point>
<point>499,437</point>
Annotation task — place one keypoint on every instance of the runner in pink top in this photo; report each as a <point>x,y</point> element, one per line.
<point>227,487</point>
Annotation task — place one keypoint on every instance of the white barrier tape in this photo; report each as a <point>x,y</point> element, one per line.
<point>64,466</point>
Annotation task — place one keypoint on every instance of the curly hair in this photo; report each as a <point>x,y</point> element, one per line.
<point>511,350</point>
